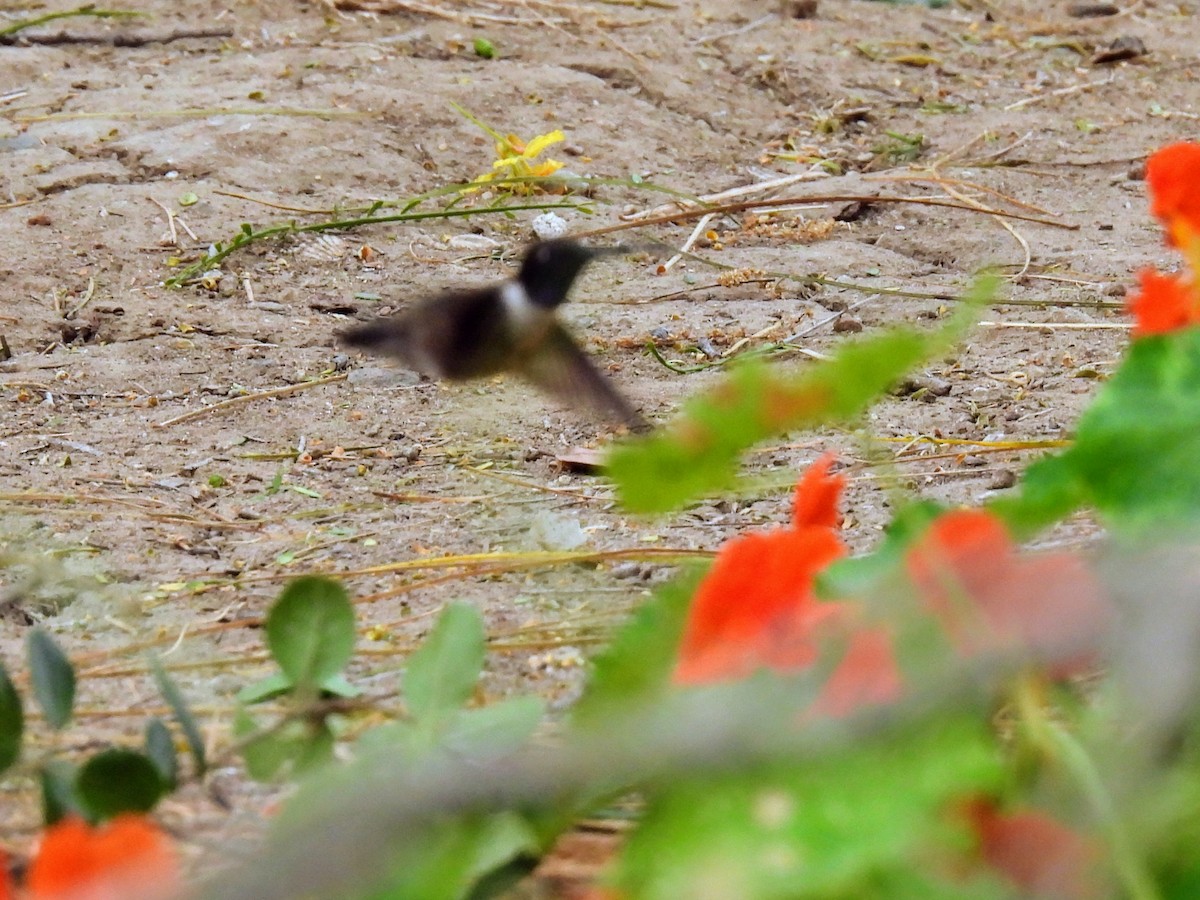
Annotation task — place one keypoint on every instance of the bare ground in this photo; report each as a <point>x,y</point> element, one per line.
<point>178,536</point>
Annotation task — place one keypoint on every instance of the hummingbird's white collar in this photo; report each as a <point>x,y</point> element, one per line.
<point>521,311</point>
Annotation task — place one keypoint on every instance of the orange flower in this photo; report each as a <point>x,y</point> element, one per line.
<point>866,676</point>
<point>989,598</point>
<point>1173,175</point>
<point>6,887</point>
<point>128,858</point>
<point>756,607</point>
<point>1166,303</point>
<point>1038,854</point>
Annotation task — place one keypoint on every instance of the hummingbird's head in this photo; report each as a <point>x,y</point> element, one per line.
<point>549,269</point>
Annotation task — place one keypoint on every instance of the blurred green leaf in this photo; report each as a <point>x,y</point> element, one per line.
<point>495,730</point>
<point>273,685</point>
<point>1135,448</point>
<point>183,715</point>
<point>449,858</point>
<point>12,721</point>
<point>116,781</point>
<point>698,452</point>
<point>441,674</point>
<point>834,827</point>
<point>160,749</point>
<point>636,666</point>
<point>285,751</point>
<point>57,777</point>
<point>52,677</point>
<point>310,631</point>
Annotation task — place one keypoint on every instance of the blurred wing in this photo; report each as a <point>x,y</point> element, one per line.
<point>562,369</point>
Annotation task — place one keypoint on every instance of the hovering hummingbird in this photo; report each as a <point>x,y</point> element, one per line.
<point>506,327</point>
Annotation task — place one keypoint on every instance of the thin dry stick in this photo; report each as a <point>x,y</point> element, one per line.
<point>758,187</point>
<point>226,405</point>
<point>84,301</point>
<point>170,221</point>
<point>1007,226</point>
<point>939,179</point>
<point>1060,326</point>
<point>688,244</point>
<point>1061,92</point>
<point>685,214</point>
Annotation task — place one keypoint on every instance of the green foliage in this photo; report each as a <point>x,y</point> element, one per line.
<point>12,721</point>
<point>52,677</point>
<point>1135,448</point>
<point>116,781</point>
<point>635,668</point>
<point>441,675</point>
<point>451,858</point>
<point>699,453</point>
<point>160,750</point>
<point>289,749</point>
<point>310,632</point>
<point>57,780</point>
<point>439,679</point>
<point>183,715</point>
<point>826,828</point>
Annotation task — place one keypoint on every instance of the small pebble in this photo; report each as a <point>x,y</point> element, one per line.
<point>1003,480</point>
<point>548,226</point>
<point>848,325</point>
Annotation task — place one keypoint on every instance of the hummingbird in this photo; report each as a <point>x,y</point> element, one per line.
<point>510,326</point>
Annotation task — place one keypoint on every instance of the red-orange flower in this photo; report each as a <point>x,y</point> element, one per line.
<point>989,598</point>
<point>1165,303</point>
<point>128,858</point>
<point>1170,302</point>
<point>867,675</point>
<point>6,888</point>
<point>756,607</point>
<point>1038,854</point>
<point>1173,175</point>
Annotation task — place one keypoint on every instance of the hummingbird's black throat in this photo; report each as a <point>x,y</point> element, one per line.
<point>510,326</point>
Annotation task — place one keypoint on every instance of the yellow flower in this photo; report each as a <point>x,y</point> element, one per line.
<point>516,158</point>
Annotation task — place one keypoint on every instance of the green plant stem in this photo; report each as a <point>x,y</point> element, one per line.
<point>88,10</point>
<point>1061,745</point>
<point>248,235</point>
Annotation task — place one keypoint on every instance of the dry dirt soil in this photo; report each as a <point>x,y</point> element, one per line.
<point>127,148</point>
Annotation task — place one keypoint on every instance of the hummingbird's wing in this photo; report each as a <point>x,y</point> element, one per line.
<point>559,367</point>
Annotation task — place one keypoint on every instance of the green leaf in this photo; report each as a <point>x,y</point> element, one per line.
<point>57,779</point>
<point>310,631</point>
<point>1136,446</point>
<point>273,685</point>
<point>636,667</point>
<point>290,749</point>
<point>338,686</point>
<point>160,748</point>
<point>1135,450</point>
<point>12,721</point>
<point>494,731</point>
<point>183,715</point>
<point>52,677</point>
<point>441,674</point>
<point>831,827</point>
<point>116,781</point>
<point>699,452</point>
<point>450,858</point>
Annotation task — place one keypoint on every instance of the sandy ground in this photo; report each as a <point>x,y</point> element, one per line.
<point>125,531</point>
